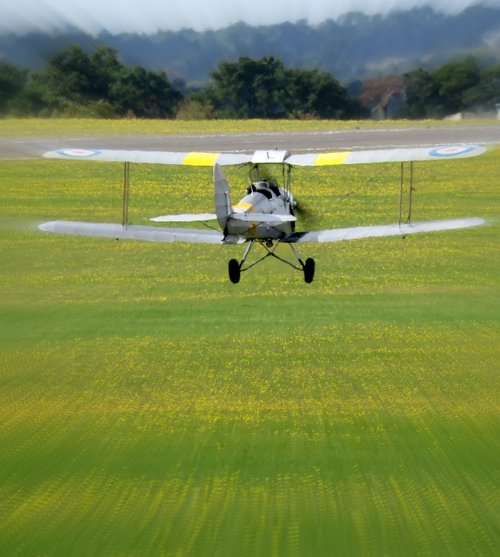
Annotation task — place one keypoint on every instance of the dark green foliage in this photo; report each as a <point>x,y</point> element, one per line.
<point>487,91</point>
<point>452,88</point>
<point>78,84</point>
<point>422,95</point>
<point>75,83</point>
<point>454,79</point>
<point>250,88</point>
<point>144,93</point>
<point>319,94</point>
<point>265,88</point>
<point>12,82</point>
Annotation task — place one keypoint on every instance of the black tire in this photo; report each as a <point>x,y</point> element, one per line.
<point>234,271</point>
<point>309,268</point>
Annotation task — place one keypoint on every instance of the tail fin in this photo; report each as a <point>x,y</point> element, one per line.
<point>222,196</point>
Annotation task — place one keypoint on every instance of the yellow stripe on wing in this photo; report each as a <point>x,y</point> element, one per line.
<point>328,159</point>
<point>244,206</point>
<point>200,159</point>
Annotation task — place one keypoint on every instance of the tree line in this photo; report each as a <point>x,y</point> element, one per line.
<point>80,84</point>
<point>76,83</point>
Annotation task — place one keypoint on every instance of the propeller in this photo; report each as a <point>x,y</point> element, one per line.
<point>301,209</point>
<point>307,216</point>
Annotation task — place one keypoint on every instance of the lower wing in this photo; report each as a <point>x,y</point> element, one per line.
<point>359,232</point>
<point>185,217</point>
<point>271,218</point>
<point>133,232</point>
<point>192,235</point>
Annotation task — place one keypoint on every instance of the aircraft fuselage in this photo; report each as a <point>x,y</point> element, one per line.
<point>263,198</point>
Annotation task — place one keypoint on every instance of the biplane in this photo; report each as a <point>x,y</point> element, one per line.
<point>267,214</point>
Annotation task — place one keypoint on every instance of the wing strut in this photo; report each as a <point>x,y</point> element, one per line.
<point>126,193</point>
<point>401,194</point>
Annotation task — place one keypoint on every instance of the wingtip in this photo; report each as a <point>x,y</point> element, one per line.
<point>46,226</point>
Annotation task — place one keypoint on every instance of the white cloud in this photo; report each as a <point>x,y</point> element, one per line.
<point>148,16</point>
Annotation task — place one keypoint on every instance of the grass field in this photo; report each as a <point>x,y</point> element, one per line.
<point>150,407</point>
<point>37,127</point>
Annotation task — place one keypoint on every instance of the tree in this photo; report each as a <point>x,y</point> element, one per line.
<point>143,93</point>
<point>454,80</point>
<point>487,92</point>
<point>452,88</point>
<point>266,89</point>
<point>70,75</point>
<point>250,88</point>
<point>320,95</point>
<point>106,69</point>
<point>422,95</point>
<point>75,83</point>
<point>12,82</point>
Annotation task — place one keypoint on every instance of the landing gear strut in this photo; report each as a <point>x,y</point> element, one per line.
<point>235,268</point>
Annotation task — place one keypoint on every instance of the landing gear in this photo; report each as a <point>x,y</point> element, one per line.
<point>235,267</point>
<point>234,271</point>
<point>309,267</point>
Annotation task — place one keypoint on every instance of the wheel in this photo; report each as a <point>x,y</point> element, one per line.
<point>309,267</point>
<point>234,271</point>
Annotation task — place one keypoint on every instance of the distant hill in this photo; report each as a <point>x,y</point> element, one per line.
<point>353,47</point>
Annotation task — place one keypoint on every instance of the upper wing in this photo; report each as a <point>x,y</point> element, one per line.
<point>133,232</point>
<point>359,232</point>
<point>271,157</point>
<point>152,157</point>
<point>387,155</point>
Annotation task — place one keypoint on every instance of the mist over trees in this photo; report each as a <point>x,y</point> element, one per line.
<point>354,67</point>
<point>354,46</point>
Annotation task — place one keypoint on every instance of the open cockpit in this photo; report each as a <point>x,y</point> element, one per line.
<point>265,187</point>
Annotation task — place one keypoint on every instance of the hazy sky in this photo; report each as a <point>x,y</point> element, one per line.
<point>151,15</point>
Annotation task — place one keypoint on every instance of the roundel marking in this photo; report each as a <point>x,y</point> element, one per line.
<point>445,152</point>
<point>78,153</point>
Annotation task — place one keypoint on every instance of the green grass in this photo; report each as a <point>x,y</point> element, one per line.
<point>150,407</point>
<point>66,127</point>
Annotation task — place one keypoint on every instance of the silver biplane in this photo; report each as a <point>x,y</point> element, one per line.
<point>266,215</point>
